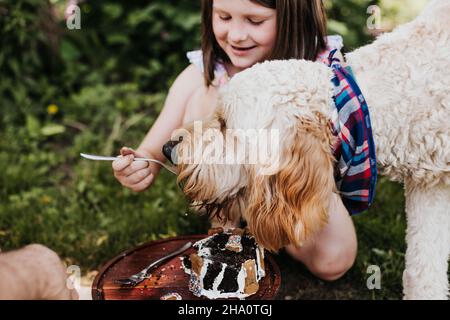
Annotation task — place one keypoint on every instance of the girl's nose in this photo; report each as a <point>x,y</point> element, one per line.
<point>237,33</point>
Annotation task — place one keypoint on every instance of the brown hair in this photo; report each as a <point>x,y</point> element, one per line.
<point>301,31</point>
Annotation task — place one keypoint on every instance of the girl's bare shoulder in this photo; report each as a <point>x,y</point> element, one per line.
<point>188,84</point>
<point>201,103</point>
<point>188,81</point>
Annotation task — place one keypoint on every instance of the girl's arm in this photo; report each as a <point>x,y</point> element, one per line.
<point>139,176</point>
<point>171,116</point>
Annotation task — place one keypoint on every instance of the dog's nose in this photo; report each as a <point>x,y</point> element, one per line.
<point>168,149</point>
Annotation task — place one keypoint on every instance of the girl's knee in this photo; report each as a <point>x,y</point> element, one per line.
<point>328,265</point>
<point>332,266</point>
<point>330,273</point>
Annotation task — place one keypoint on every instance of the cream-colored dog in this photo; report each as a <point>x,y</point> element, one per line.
<point>405,78</point>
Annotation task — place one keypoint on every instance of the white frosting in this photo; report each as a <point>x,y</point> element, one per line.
<point>199,243</point>
<point>241,279</point>
<point>186,270</point>
<point>260,257</point>
<point>168,296</point>
<point>219,277</point>
<point>215,293</point>
<point>204,252</point>
<point>206,263</point>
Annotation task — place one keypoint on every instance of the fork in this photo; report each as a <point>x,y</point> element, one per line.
<point>102,158</point>
<point>145,273</point>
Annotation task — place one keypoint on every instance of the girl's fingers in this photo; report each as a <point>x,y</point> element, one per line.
<point>120,164</point>
<point>144,184</point>
<point>124,151</point>
<point>135,175</point>
<point>134,167</point>
<point>138,176</point>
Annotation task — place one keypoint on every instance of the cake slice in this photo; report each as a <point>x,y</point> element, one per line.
<point>226,265</point>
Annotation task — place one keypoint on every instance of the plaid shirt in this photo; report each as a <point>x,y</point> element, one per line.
<point>356,171</point>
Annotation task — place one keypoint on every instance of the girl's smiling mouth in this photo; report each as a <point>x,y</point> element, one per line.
<point>242,48</point>
<point>241,51</point>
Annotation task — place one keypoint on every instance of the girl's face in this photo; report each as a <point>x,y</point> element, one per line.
<point>245,30</point>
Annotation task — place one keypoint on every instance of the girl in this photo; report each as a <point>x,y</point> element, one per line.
<point>236,34</point>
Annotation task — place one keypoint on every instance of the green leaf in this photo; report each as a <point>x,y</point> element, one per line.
<point>33,125</point>
<point>68,51</point>
<point>112,10</point>
<point>379,252</point>
<point>117,38</point>
<point>52,129</point>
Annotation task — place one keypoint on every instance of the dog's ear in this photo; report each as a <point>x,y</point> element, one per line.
<point>290,205</point>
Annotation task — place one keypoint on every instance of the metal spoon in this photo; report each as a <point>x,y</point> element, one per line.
<point>102,158</point>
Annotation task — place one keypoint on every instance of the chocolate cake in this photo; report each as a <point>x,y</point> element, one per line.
<point>227,265</point>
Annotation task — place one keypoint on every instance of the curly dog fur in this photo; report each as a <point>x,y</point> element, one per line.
<point>405,78</point>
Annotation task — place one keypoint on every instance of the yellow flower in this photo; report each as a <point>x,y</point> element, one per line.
<point>46,199</point>
<point>52,109</point>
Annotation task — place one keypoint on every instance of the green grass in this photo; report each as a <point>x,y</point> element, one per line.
<point>108,81</point>
<point>50,195</point>
<point>381,242</point>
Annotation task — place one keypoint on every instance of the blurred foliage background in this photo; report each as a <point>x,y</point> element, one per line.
<point>98,88</point>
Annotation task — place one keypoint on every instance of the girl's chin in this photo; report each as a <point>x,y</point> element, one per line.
<point>243,63</point>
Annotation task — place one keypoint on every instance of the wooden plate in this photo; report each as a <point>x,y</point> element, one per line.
<point>168,277</point>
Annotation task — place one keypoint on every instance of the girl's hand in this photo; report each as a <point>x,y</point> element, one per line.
<point>135,175</point>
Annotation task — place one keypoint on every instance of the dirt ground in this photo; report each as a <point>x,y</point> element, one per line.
<point>297,283</point>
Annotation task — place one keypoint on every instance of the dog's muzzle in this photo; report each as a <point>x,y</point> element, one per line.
<point>169,150</point>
